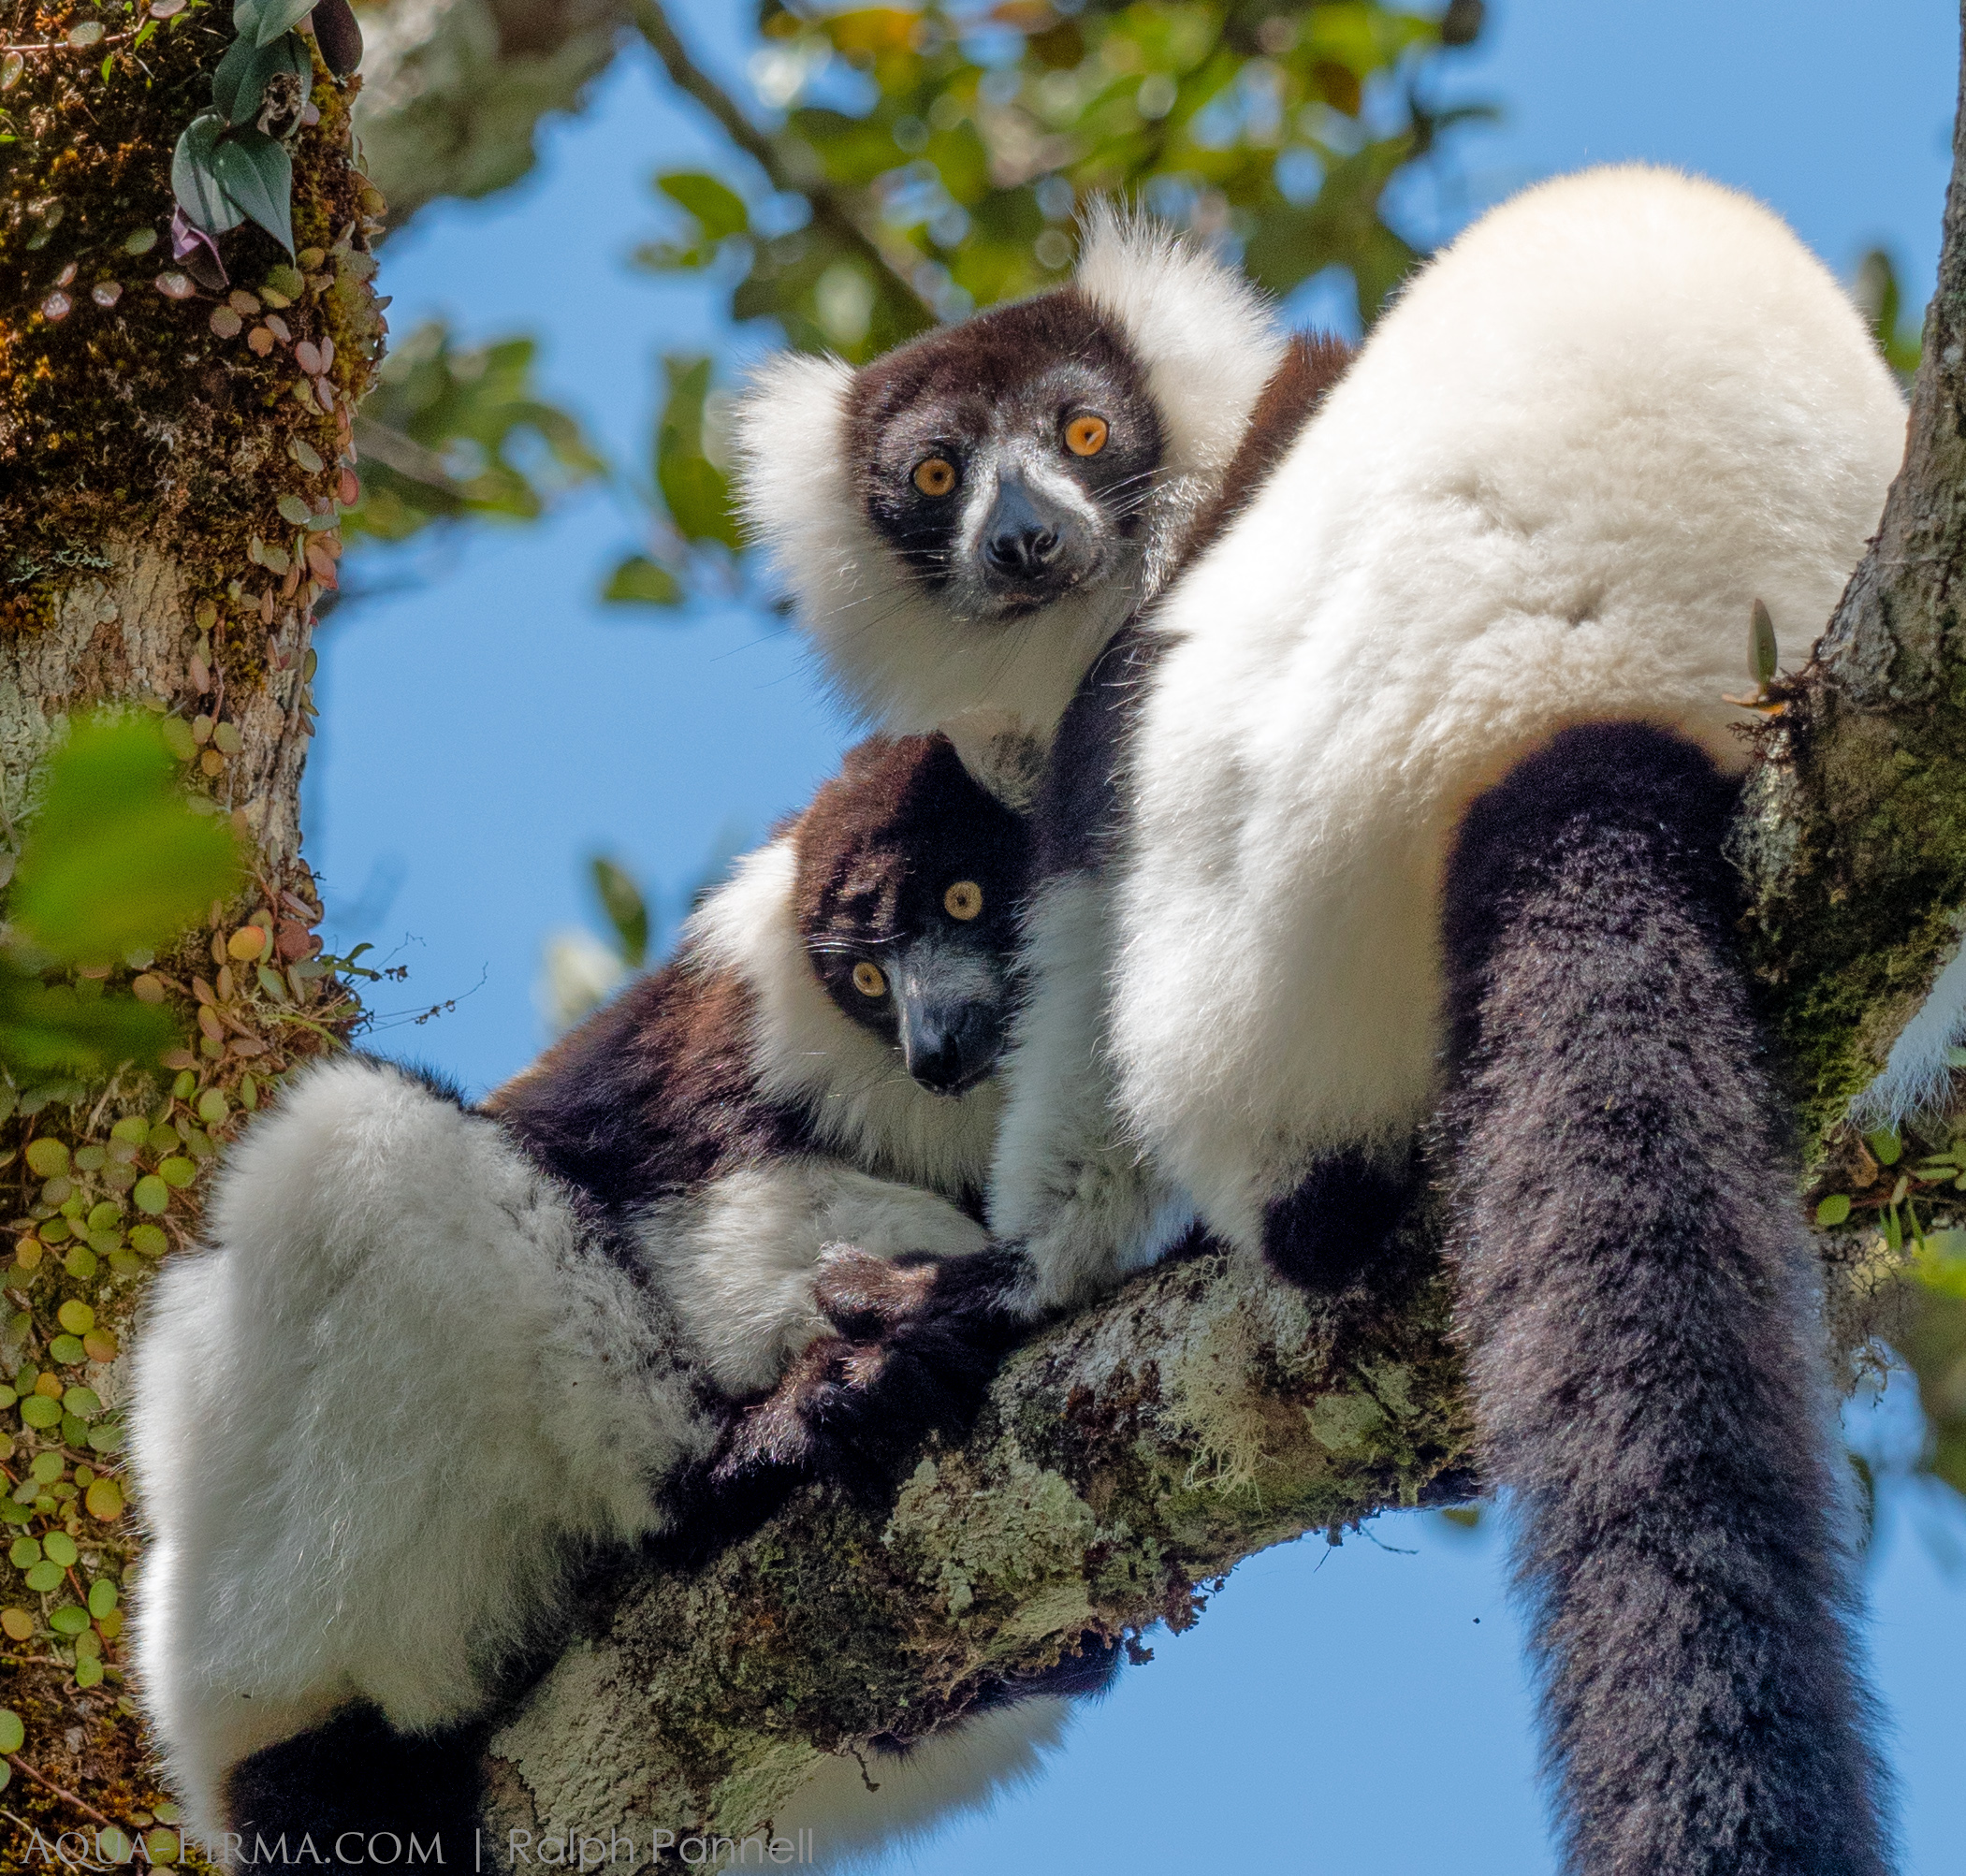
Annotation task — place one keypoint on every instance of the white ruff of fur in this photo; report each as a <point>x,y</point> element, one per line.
<point>806,1051</point>
<point>1611,415</point>
<point>1085,1206</point>
<point>372,1417</point>
<point>894,649</point>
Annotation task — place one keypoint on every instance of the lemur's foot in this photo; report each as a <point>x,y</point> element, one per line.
<point>921,1338</point>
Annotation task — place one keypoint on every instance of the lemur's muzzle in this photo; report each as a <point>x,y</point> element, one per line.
<point>951,1009</point>
<point>949,1049</point>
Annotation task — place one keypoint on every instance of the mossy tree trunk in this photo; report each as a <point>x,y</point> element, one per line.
<point>172,461</point>
<point>1202,1414</point>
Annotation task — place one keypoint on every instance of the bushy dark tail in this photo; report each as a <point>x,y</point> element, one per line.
<point>1638,1298</point>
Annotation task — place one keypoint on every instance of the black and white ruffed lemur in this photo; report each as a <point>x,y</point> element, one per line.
<point>432,1360</point>
<point>1403,807</point>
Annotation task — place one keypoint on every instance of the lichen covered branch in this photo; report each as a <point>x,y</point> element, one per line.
<point>1124,1460</point>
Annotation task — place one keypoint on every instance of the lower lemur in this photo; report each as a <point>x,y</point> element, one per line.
<point>435,1359</point>
<point>1402,806</point>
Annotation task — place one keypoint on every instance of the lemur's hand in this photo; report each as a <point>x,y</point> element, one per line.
<point>921,1339</point>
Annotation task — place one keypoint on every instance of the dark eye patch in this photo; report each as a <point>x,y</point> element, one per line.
<point>1018,372</point>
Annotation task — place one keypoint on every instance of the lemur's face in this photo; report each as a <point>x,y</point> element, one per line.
<point>908,877</point>
<point>1011,459</point>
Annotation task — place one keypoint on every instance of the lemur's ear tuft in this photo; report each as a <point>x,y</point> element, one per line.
<point>1208,339</point>
<point>789,435</point>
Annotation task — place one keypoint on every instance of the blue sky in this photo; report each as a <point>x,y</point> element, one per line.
<point>485,723</point>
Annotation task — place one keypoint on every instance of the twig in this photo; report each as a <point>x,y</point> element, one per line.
<point>68,46</point>
<point>87,1810</point>
<point>829,211</point>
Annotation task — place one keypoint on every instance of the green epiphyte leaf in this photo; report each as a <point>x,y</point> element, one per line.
<point>178,1171</point>
<point>1834,1209</point>
<point>46,1158</point>
<point>151,1195</point>
<point>88,1670</point>
<point>83,1403</point>
<point>258,175</point>
<point>45,1576</point>
<point>1886,1148</point>
<point>61,1546</point>
<point>239,81</point>
<point>149,1239</point>
<point>102,1597</point>
<point>1761,645</point>
<point>276,17</point>
<point>71,1619</point>
<point>46,1469</point>
<point>68,1350</point>
<point>195,177</point>
<point>39,1412</point>
<point>13,1733</point>
<point>24,1553</point>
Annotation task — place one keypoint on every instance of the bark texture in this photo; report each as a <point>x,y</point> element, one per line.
<point>172,462</point>
<point>1125,1461</point>
<point>1854,836</point>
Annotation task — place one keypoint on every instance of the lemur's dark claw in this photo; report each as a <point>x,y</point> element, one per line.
<point>927,1337</point>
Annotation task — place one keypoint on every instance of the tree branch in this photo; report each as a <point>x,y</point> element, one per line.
<point>790,167</point>
<point>1201,1414</point>
<point>1853,834</point>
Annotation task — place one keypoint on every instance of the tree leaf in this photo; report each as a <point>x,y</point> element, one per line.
<point>116,858</point>
<point>276,17</point>
<point>720,211</point>
<point>696,492</point>
<point>627,911</point>
<point>195,177</point>
<point>48,1028</point>
<point>258,175</point>
<point>640,581</point>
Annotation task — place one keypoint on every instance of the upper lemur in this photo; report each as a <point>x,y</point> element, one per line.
<point>1406,801</point>
<point>433,1357</point>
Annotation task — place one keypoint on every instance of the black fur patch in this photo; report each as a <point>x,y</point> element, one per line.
<point>1338,1226</point>
<point>1079,806</point>
<point>858,1410</point>
<point>349,1786</point>
<point>1638,1291</point>
<point>1023,370</point>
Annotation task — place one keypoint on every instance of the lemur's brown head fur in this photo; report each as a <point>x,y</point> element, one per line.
<point>909,874</point>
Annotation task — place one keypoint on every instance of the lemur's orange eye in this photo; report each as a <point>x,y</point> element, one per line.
<point>1085,434</point>
<point>868,981</point>
<point>962,900</point>
<point>937,477</point>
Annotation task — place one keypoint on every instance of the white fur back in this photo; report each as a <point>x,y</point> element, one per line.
<point>371,1416</point>
<point>894,649</point>
<point>1616,412</point>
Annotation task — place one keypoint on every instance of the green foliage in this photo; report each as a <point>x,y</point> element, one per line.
<point>116,858</point>
<point>451,431</point>
<point>933,160</point>
<point>1878,294</point>
<point>116,862</point>
<point>627,911</point>
<point>231,164</point>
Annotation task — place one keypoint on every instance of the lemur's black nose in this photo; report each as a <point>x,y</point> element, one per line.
<point>953,1048</point>
<point>1022,537</point>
